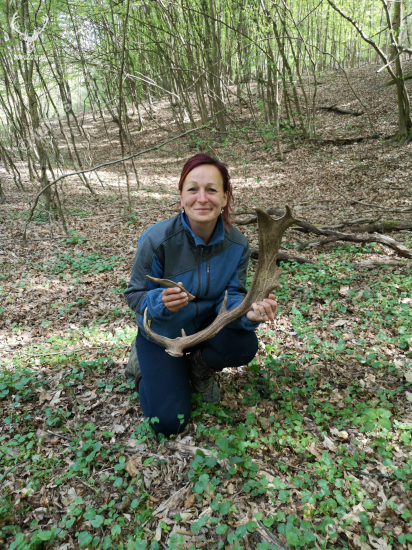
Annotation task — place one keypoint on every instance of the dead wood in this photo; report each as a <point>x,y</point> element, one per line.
<point>375,238</point>
<point>407,76</point>
<point>382,227</point>
<point>332,236</point>
<point>268,536</point>
<point>339,110</point>
<point>282,257</point>
<point>381,262</point>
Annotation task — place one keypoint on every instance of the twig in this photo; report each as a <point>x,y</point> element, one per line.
<point>87,485</point>
<point>163,505</point>
<point>58,435</point>
<point>104,164</point>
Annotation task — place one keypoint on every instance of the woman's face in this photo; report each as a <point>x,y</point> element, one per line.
<point>202,194</point>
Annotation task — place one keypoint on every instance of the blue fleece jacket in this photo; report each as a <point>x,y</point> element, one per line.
<point>170,250</point>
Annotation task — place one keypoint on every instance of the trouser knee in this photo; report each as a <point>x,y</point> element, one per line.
<point>169,424</point>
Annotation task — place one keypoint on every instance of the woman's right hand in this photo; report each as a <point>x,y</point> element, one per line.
<point>174,298</point>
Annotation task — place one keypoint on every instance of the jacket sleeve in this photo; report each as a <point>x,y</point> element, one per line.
<point>236,289</point>
<point>141,292</point>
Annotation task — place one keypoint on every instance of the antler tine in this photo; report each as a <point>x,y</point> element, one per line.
<point>264,281</point>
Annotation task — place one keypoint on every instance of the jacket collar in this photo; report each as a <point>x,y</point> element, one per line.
<point>218,233</point>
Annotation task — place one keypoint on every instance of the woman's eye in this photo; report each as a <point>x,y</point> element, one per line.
<point>212,190</point>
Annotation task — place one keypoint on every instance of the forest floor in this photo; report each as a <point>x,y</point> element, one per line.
<point>311,444</point>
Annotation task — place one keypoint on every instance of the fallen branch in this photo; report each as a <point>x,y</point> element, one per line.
<point>338,236</point>
<point>375,238</point>
<point>407,76</point>
<point>282,257</point>
<point>381,262</point>
<point>339,110</point>
<point>383,227</point>
<point>267,536</point>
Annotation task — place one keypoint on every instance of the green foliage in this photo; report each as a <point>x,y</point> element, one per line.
<point>79,263</point>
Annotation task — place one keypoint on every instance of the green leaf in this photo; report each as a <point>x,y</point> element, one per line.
<point>118,482</point>
<point>251,526</point>
<point>97,521</point>
<point>89,514</point>
<point>385,423</point>
<point>221,529</point>
<point>240,531</point>
<point>284,496</point>
<point>211,462</point>
<point>368,504</point>
<point>308,536</point>
<point>116,530</point>
<point>44,535</point>
<point>84,538</point>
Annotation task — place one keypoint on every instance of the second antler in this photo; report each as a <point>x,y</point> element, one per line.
<point>266,278</point>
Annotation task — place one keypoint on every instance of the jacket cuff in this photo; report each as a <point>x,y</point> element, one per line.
<point>249,325</point>
<point>243,323</point>
<point>156,308</point>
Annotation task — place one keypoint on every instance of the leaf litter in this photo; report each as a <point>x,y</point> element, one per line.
<point>311,445</point>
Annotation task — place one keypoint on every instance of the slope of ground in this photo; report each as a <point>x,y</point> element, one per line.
<point>311,445</point>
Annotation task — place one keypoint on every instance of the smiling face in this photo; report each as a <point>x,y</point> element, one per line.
<point>202,195</point>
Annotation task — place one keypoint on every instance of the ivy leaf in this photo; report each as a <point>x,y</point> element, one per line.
<point>385,423</point>
<point>97,521</point>
<point>84,539</point>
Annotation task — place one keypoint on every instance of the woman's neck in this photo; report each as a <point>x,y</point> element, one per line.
<point>203,230</point>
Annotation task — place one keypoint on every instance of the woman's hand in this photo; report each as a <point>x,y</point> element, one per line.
<point>174,299</point>
<point>263,311</point>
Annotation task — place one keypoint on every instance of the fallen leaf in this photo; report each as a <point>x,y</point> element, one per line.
<point>379,543</point>
<point>131,468</point>
<point>355,539</point>
<point>190,500</point>
<point>342,434</point>
<point>118,428</point>
<point>314,450</point>
<point>329,444</point>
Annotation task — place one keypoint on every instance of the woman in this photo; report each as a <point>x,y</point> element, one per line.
<point>200,249</point>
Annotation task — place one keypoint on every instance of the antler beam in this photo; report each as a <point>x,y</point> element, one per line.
<point>266,278</point>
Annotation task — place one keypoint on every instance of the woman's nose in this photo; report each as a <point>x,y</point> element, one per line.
<point>202,196</point>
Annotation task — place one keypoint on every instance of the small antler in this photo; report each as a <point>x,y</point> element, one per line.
<point>266,278</point>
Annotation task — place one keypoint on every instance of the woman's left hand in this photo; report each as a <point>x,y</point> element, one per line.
<point>263,311</point>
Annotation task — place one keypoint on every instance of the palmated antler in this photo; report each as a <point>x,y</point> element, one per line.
<point>264,281</point>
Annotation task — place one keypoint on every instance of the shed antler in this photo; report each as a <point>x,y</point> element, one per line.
<point>264,281</point>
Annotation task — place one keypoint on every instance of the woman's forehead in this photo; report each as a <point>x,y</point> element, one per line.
<point>205,173</point>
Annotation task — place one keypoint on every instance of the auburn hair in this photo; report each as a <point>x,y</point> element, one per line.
<point>204,158</point>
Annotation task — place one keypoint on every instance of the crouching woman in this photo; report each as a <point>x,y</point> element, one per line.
<point>200,249</point>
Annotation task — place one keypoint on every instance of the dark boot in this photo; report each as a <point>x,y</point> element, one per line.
<point>132,370</point>
<point>203,378</point>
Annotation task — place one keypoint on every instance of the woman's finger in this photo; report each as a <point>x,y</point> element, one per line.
<point>270,308</point>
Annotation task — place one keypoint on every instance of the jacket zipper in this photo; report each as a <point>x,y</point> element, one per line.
<point>199,280</point>
<point>207,277</point>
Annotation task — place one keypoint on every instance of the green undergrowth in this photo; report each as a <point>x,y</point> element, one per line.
<point>335,368</point>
